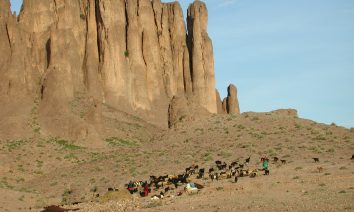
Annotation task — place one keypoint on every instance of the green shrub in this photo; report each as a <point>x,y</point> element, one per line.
<point>114,141</point>
<point>241,127</point>
<point>16,144</point>
<point>64,144</point>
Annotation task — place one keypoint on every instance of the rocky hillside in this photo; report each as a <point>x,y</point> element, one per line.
<point>41,172</point>
<point>71,59</point>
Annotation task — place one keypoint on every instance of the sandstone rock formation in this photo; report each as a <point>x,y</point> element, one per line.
<point>181,110</point>
<point>230,103</point>
<point>134,56</point>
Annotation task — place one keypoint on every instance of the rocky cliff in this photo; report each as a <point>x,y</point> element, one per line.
<point>133,56</point>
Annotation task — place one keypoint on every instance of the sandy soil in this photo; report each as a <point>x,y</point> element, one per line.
<point>39,171</point>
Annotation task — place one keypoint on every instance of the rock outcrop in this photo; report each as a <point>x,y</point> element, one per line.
<point>134,56</point>
<point>230,103</point>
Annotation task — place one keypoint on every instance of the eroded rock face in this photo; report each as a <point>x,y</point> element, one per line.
<point>134,56</point>
<point>181,110</point>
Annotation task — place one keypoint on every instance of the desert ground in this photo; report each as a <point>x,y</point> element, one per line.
<point>41,171</point>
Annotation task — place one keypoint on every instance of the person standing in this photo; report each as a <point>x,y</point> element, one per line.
<point>146,189</point>
<point>265,166</point>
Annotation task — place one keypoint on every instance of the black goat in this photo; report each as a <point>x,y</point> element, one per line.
<point>218,162</point>
<point>316,160</point>
<point>214,176</point>
<point>222,166</point>
<point>234,163</point>
<point>201,173</point>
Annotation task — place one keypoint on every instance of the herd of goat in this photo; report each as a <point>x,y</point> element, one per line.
<point>220,170</point>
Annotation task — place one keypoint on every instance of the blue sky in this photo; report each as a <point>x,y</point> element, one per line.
<point>285,54</point>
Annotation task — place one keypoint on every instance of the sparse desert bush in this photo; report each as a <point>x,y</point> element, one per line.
<point>255,118</point>
<point>315,149</point>
<point>219,188</point>
<point>277,148</point>
<point>114,141</point>
<point>126,53</point>
<point>330,150</point>
<point>272,152</point>
<point>21,179</point>
<point>201,130</point>
<point>20,168</point>
<point>319,138</point>
<point>207,157</point>
<point>65,196</point>
<point>64,144</point>
<point>93,188</point>
<point>241,127</point>
<point>296,177</point>
<point>224,154</point>
<point>70,156</point>
<point>329,132</point>
<point>298,168</point>
<point>54,184</point>
<point>39,163</point>
<point>343,168</point>
<point>244,146</point>
<point>342,192</point>
<point>16,144</point>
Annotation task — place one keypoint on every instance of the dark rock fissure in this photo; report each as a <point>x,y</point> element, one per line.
<point>48,52</point>
<point>126,26</point>
<point>142,47</point>
<point>98,22</point>
<point>8,35</point>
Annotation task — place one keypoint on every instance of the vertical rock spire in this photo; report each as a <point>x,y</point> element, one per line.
<point>201,56</point>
